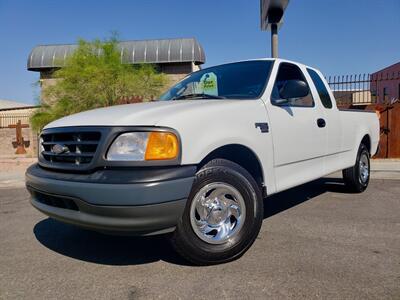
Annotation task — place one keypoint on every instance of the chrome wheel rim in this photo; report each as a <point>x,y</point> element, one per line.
<point>364,168</point>
<point>217,212</point>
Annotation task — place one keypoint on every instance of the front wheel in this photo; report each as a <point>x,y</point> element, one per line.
<point>222,217</point>
<point>356,178</point>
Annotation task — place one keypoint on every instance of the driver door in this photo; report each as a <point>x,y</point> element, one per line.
<point>298,141</point>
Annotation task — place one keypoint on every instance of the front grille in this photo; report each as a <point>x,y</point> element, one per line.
<point>77,147</point>
<point>55,201</point>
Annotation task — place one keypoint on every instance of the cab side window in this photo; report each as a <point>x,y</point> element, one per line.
<point>287,75</point>
<point>321,88</point>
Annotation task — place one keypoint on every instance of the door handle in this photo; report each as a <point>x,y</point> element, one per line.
<point>321,123</point>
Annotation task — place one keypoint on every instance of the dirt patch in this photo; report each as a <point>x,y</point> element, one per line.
<point>16,164</point>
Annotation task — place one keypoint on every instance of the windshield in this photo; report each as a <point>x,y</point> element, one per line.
<point>242,80</point>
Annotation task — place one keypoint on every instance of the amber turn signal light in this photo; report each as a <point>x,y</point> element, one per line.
<point>162,145</point>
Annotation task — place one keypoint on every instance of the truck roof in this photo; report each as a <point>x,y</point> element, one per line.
<point>271,59</point>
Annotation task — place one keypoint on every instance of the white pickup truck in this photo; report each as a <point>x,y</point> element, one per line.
<point>199,162</point>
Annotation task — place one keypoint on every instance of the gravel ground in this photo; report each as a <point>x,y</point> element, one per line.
<point>12,171</point>
<point>316,242</point>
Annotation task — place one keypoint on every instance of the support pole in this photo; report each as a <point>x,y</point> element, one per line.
<point>274,40</point>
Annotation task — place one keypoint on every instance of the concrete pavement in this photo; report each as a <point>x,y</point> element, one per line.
<point>316,242</point>
<point>385,168</point>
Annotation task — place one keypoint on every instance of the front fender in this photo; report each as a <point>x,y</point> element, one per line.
<point>213,126</point>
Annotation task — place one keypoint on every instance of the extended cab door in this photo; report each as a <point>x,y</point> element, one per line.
<point>298,129</point>
<point>333,148</point>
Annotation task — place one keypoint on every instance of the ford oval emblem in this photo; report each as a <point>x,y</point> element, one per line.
<point>59,149</point>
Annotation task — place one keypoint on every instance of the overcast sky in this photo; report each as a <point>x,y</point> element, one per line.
<point>337,36</point>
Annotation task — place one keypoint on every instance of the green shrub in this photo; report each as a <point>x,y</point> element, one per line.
<point>93,76</point>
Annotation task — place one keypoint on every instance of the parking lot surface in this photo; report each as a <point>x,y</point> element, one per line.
<point>316,242</point>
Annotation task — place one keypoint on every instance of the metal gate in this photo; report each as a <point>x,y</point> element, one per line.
<point>377,92</point>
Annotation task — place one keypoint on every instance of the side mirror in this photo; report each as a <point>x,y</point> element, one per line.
<point>293,89</point>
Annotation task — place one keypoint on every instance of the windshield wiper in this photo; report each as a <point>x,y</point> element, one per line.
<point>198,95</point>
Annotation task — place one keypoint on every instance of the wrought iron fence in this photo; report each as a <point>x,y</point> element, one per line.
<point>364,89</point>
<point>12,119</point>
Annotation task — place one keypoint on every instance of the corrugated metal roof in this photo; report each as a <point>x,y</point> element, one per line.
<point>7,104</point>
<point>132,52</point>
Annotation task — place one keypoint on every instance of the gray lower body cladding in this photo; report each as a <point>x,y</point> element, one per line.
<point>116,201</point>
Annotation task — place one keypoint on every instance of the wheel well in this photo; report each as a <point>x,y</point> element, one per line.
<point>367,142</point>
<point>241,155</point>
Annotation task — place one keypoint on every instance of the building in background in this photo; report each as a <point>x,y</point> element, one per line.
<point>12,111</point>
<point>380,87</point>
<point>174,57</point>
<point>385,84</point>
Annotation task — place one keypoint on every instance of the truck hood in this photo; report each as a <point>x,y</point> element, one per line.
<point>139,114</point>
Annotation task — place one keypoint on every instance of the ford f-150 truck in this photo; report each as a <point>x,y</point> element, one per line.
<point>198,162</point>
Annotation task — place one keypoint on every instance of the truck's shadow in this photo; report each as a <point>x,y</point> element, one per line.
<point>295,196</point>
<point>117,250</point>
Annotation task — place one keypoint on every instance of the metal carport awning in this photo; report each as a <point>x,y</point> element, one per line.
<point>132,52</point>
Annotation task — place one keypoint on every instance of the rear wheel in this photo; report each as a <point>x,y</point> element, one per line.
<point>222,217</point>
<point>356,177</point>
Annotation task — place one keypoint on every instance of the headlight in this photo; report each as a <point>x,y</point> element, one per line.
<point>140,146</point>
<point>41,148</point>
<point>129,146</point>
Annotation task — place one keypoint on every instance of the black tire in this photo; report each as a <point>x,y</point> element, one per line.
<point>193,248</point>
<point>354,180</point>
